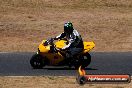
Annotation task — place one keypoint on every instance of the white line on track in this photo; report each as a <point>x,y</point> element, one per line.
<point>4,52</point>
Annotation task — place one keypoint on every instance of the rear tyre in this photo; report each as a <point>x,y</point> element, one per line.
<point>84,60</point>
<point>37,61</point>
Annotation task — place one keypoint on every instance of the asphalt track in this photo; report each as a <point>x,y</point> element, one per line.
<point>17,64</point>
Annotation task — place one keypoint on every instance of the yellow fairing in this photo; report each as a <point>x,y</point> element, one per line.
<point>60,43</point>
<point>55,58</point>
<point>43,48</point>
<point>88,46</point>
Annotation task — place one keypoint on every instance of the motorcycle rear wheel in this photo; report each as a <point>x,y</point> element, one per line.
<point>84,60</point>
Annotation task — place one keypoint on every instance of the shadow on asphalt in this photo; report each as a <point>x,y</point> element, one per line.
<point>64,68</point>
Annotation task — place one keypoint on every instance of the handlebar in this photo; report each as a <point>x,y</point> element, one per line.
<point>51,42</point>
<point>53,46</point>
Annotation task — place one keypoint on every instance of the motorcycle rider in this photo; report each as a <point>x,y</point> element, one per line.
<point>74,41</point>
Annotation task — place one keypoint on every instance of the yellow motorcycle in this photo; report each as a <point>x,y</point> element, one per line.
<point>48,54</point>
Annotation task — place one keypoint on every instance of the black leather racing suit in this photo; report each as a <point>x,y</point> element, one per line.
<point>75,43</point>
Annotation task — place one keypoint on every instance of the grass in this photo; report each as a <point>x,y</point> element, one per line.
<point>61,81</point>
<point>27,22</point>
<point>24,23</point>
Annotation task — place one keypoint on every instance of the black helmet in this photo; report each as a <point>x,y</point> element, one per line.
<point>68,27</point>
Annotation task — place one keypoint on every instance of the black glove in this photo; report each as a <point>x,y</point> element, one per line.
<point>55,38</point>
<point>59,49</point>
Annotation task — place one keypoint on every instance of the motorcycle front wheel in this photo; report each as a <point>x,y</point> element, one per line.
<point>37,61</point>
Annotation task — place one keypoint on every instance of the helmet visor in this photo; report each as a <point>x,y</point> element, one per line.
<point>67,30</point>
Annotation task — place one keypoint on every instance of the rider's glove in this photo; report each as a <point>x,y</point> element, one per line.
<point>57,49</point>
<point>55,38</point>
<point>60,49</point>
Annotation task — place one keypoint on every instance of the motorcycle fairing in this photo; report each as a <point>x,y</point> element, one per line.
<point>55,58</point>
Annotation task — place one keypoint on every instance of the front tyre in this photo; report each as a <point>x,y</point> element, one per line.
<point>37,61</point>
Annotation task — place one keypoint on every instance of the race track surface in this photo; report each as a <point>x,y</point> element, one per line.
<point>17,64</point>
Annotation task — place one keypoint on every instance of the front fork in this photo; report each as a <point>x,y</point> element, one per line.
<point>38,52</point>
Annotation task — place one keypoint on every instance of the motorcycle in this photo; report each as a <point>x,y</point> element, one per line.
<point>49,54</point>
